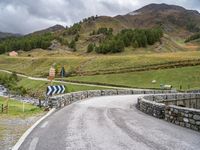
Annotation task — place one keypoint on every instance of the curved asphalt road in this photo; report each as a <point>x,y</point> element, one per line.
<point>109,123</point>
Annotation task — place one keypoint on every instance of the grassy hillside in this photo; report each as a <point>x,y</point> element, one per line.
<point>39,65</point>
<point>187,77</point>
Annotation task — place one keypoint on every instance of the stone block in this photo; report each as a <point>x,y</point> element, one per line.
<point>149,92</point>
<point>180,96</point>
<point>190,115</point>
<point>187,96</point>
<point>137,92</point>
<point>192,121</point>
<point>186,120</point>
<point>171,97</point>
<point>125,92</point>
<point>177,122</point>
<point>76,96</point>
<point>194,127</point>
<point>175,111</point>
<point>186,115</point>
<point>182,124</point>
<point>196,117</point>
<point>157,92</point>
<point>94,93</point>
<point>188,125</point>
<point>108,92</point>
<point>198,123</point>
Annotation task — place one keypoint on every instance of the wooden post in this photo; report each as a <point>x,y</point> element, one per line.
<point>180,87</point>
<point>40,103</point>
<point>23,106</point>
<point>6,107</point>
<point>2,108</point>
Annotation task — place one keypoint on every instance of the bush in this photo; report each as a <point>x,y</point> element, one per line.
<point>10,82</point>
<point>72,45</point>
<point>90,48</point>
<point>105,31</point>
<point>76,37</point>
<point>63,41</point>
<point>193,37</point>
<point>192,27</point>
<point>74,29</point>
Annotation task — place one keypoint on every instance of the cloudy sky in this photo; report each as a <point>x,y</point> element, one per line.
<point>25,16</point>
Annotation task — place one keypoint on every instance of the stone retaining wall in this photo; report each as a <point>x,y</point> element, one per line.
<point>189,118</point>
<point>155,105</point>
<point>65,99</point>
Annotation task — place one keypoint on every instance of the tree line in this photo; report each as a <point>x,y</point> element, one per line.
<point>26,43</point>
<point>193,37</point>
<point>128,37</point>
<point>104,31</point>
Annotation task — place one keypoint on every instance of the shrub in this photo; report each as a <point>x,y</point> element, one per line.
<point>72,45</point>
<point>193,37</point>
<point>90,48</point>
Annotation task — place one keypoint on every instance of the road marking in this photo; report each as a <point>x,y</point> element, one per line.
<point>44,124</point>
<point>25,135</point>
<point>33,143</point>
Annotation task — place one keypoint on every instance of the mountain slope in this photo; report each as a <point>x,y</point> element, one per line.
<point>5,35</point>
<point>55,28</point>
<point>170,17</point>
<point>177,23</point>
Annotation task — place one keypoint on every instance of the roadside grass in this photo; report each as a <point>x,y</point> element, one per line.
<point>39,66</point>
<point>40,86</point>
<point>2,128</point>
<point>137,60</point>
<point>187,78</point>
<point>15,109</point>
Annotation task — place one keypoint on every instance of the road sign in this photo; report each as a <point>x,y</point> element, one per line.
<point>62,73</point>
<point>52,73</point>
<point>57,89</point>
<point>51,78</point>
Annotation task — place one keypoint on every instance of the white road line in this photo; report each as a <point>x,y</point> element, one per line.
<point>25,135</point>
<point>44,124</point>
<point>33,143</point>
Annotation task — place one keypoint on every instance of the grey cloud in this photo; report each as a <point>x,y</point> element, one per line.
<point>24,16</point>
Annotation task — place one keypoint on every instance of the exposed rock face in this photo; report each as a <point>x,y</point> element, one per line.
<point>54,45</point>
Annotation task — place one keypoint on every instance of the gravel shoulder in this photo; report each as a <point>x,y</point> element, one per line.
<point>12,128</point>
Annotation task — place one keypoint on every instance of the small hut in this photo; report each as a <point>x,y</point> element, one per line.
<point>13,54</point>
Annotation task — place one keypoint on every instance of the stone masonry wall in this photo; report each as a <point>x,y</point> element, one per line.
<point>189,118</point>
<point>154,105</point>
<point>60,101</point>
